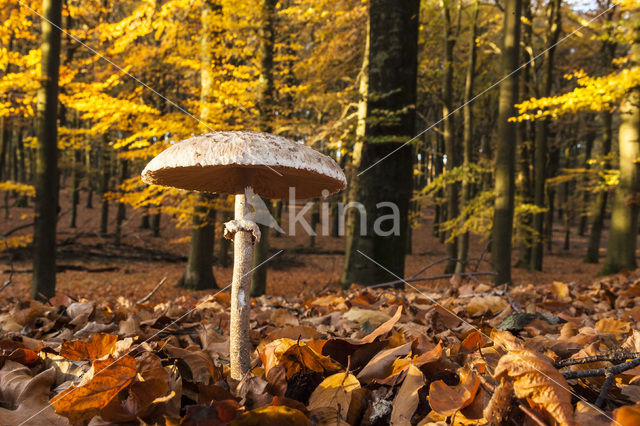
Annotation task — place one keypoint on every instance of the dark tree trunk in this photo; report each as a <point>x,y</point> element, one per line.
<point>540,174</point>
<point>505,149</point>
<point>266,108</point>
<point>46,179</point>
<point>155,222</point>
<point>385,123</point>
<point>89,174</point>
<point>467,136</point>
<point>621,250</point>
<point>105,178</point>
<point>121,213</point>
<point>75,187</point>
<point>600,207</point>
<point>199,272</point>
<point>584,208</point>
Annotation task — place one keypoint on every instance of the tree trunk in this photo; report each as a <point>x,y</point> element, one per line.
<point>584,208</point>
<point>121,213</point>
<point>386,121</point>
<point>505,149</point>
<point>265,107</point>
<point>75,187</point>
<point>600,207</point>
<point>46,179</point>
<point>105,178</point>
<point>540,174</point>
<point>225,244</point>
<point>155,222</point>
<point>199,272</point>
<point>621,251</point>
<point>467,136</point>
<point>89,175</point>
<point>450,143</point>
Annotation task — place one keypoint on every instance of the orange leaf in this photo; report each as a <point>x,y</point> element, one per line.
<point>445,399</point>
<point>384,328</point>
<point>612,326</point>
<point>536,379</point>
<point>84,402</point>
<point>96,347</point>
<point>627,416</point>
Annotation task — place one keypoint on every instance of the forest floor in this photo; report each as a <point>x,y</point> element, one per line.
<point>92,266</point>
<point>444,352</point>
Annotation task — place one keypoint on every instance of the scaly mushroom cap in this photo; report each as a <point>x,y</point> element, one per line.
<point>228,162</point>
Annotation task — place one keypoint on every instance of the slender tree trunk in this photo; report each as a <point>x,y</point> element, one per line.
<point>600,207</point>
<point>225,244</point>
<point>46,179</point>
<point>621,251</point>
<point>75,187</point>
<point>382,162</point>
<point>89,174</point>
<point>540,174</point>
<point>265,106</point>
<point>144,221</point>
<point>155,222</point>
<point>21,167</point>
<point>505,149</point>
<point>554,161</point>
<point>467,136</point>
<point>199,272</point>
<point>105,179</point>
<point>450,143</point>
<point>4,144</point>
<point>584,208</point>
<point>121,213</point>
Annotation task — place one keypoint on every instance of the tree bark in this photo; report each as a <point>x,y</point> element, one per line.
<point>46,179</point>
<point>199,272</point>
<point>621,251</point>
<point>600,207</point>
<point>121,212</point>
<point>505,149</point>
<point>386,121</point>
<point>467,136</point>
<point>540,174</point>
<point>75,187</point>
<point>265,107</point>
<point>105,178</point>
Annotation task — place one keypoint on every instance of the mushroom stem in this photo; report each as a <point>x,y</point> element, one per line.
<point>240,342</point>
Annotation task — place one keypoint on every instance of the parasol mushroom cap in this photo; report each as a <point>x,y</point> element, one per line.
<point>228,162</point>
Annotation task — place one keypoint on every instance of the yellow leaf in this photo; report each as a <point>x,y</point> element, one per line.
<point>334,392</point>
<point>560,290</point>
<point>612,326</point>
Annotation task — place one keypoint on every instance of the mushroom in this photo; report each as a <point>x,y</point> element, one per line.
<point>243,163</point>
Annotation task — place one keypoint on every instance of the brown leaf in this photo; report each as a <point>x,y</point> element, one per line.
<point>27,397</point>
<point>535,378</point>
<point>96,347</point>
<point>199,362</point>
<point>334,392</point>
<point>559,290</point>
<point>407,399</point>
<point>612,326</point>
<point>295,356</point>
<point>381,364</point>
<point>446,400</point>
<point>83,402</point>
<point>272,415</point>
<point>627,416</point>
<point>383,328</point>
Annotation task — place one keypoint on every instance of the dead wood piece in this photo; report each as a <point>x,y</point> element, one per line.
<point>155,289</point>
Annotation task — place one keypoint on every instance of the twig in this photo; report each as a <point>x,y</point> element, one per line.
<point>433,277</point>
<point>616,369</point>
<point>156,288</point>
<point>614,356</point>
<point>10,280</point>
<point>17,228</point>
<point>602,396</point>
<point>496,292</point>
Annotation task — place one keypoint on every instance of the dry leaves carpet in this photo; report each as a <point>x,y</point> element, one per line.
<point>363,356</point>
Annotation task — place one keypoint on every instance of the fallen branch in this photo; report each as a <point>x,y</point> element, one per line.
<point>614,356</point>
<point>62,268</point>
<point>148,296</point>
<point>16,229</point>
<point>431,278</point>
<point>616,369</point>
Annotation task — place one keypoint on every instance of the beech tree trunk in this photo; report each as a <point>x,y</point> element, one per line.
<point>540,172</point>
<point>600,206</point>
<point>621,251</point>
<point>467,136</point>
<point>199,272</point>
<point>381,169</point>
<point>46,179</point>
<point>265,106</point>
<point>505,149</point>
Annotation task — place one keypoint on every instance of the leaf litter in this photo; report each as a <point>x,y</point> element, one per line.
<point>557,353</point>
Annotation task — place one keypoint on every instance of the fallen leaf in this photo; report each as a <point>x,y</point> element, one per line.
<point>361,316</point>
<point>407,399</point>
<point>559,290</point>
<point>272,415</point>
<point>334,392</point>
<point>80,403</point>
<point>535,378</point>
<point>27,397</point>
<point>445,399</point>
<point>384,328</point>
<point>199,362</point>
<point>96,347</point>
<point>628,415</point>
<point>480,305</point>
<point>381,364</point>
<point>612,326</point>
